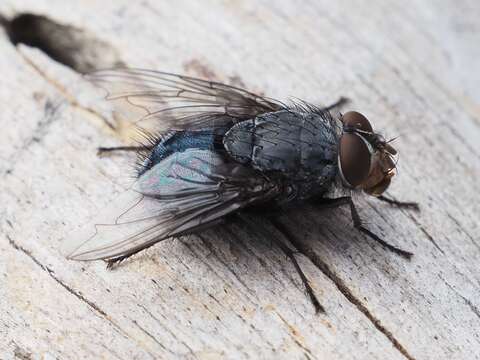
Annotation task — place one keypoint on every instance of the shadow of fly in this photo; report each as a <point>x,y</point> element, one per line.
<point>210,150</point>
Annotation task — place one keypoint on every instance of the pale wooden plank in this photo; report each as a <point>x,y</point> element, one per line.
<point>193,298</point>
<point>407,68</point>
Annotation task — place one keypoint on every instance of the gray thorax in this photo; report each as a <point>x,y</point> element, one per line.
<point>301,148</point>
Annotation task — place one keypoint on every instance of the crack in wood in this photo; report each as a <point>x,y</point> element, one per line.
<point>51,273</point>
<point>295,336</point>
<point>341,286</point>
<point>164,327</point>
<point>39,132</point>
<point>153,338</point>
<point>63,91</point>
<point>461,229</point>
<point>467,301</point>
<point>426,233</point>
<point>96,309</point>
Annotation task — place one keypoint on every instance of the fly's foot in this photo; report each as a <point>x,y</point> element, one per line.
<point>357,222</point>
<point>115,262</point>
<point>112,264</point>
<point>339,103</point>
<point>401,204</point>
<point>403,253</point>
<point>102,151</point>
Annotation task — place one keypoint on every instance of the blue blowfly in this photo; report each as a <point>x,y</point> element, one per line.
<point>213,150</point>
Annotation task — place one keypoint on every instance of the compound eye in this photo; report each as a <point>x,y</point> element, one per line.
<point>355,159</point>
<point>356,120</point>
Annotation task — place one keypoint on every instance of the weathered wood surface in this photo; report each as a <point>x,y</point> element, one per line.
<point>411,68</point>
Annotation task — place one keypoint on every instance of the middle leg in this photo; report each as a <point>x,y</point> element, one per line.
<point>357,223</point>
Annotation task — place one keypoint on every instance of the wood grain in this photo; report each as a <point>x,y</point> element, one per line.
<point>229,293</point>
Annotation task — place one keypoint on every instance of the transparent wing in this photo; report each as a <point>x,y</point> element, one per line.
<point>180,194</point>
<point>170,101</point>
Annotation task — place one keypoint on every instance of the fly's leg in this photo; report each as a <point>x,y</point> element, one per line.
<point>339,103</point>
<point>291,255</point>
<point>357,223</point>
<point>114,262</point>
<point>106,150</point>
<point>400,204</point>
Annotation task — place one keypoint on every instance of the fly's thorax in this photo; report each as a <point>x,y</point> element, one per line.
<point>286,141</point>
<point>239,141</point>
<point>365,159</point>
<point>299,148</point>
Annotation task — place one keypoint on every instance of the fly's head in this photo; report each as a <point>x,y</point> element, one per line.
<point>365,160</point>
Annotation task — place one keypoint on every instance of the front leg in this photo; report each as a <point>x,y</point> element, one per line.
<point>400,204</point>
<point>357,223</point>
<point>337,104</point>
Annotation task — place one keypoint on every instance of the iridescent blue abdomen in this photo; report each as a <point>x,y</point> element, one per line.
<point>179,141</point>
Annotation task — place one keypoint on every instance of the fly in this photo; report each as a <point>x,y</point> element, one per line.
<point>214,149</point>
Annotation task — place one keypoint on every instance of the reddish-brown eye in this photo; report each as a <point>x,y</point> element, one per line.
<point>355,159</point>
<point>357,120</point>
